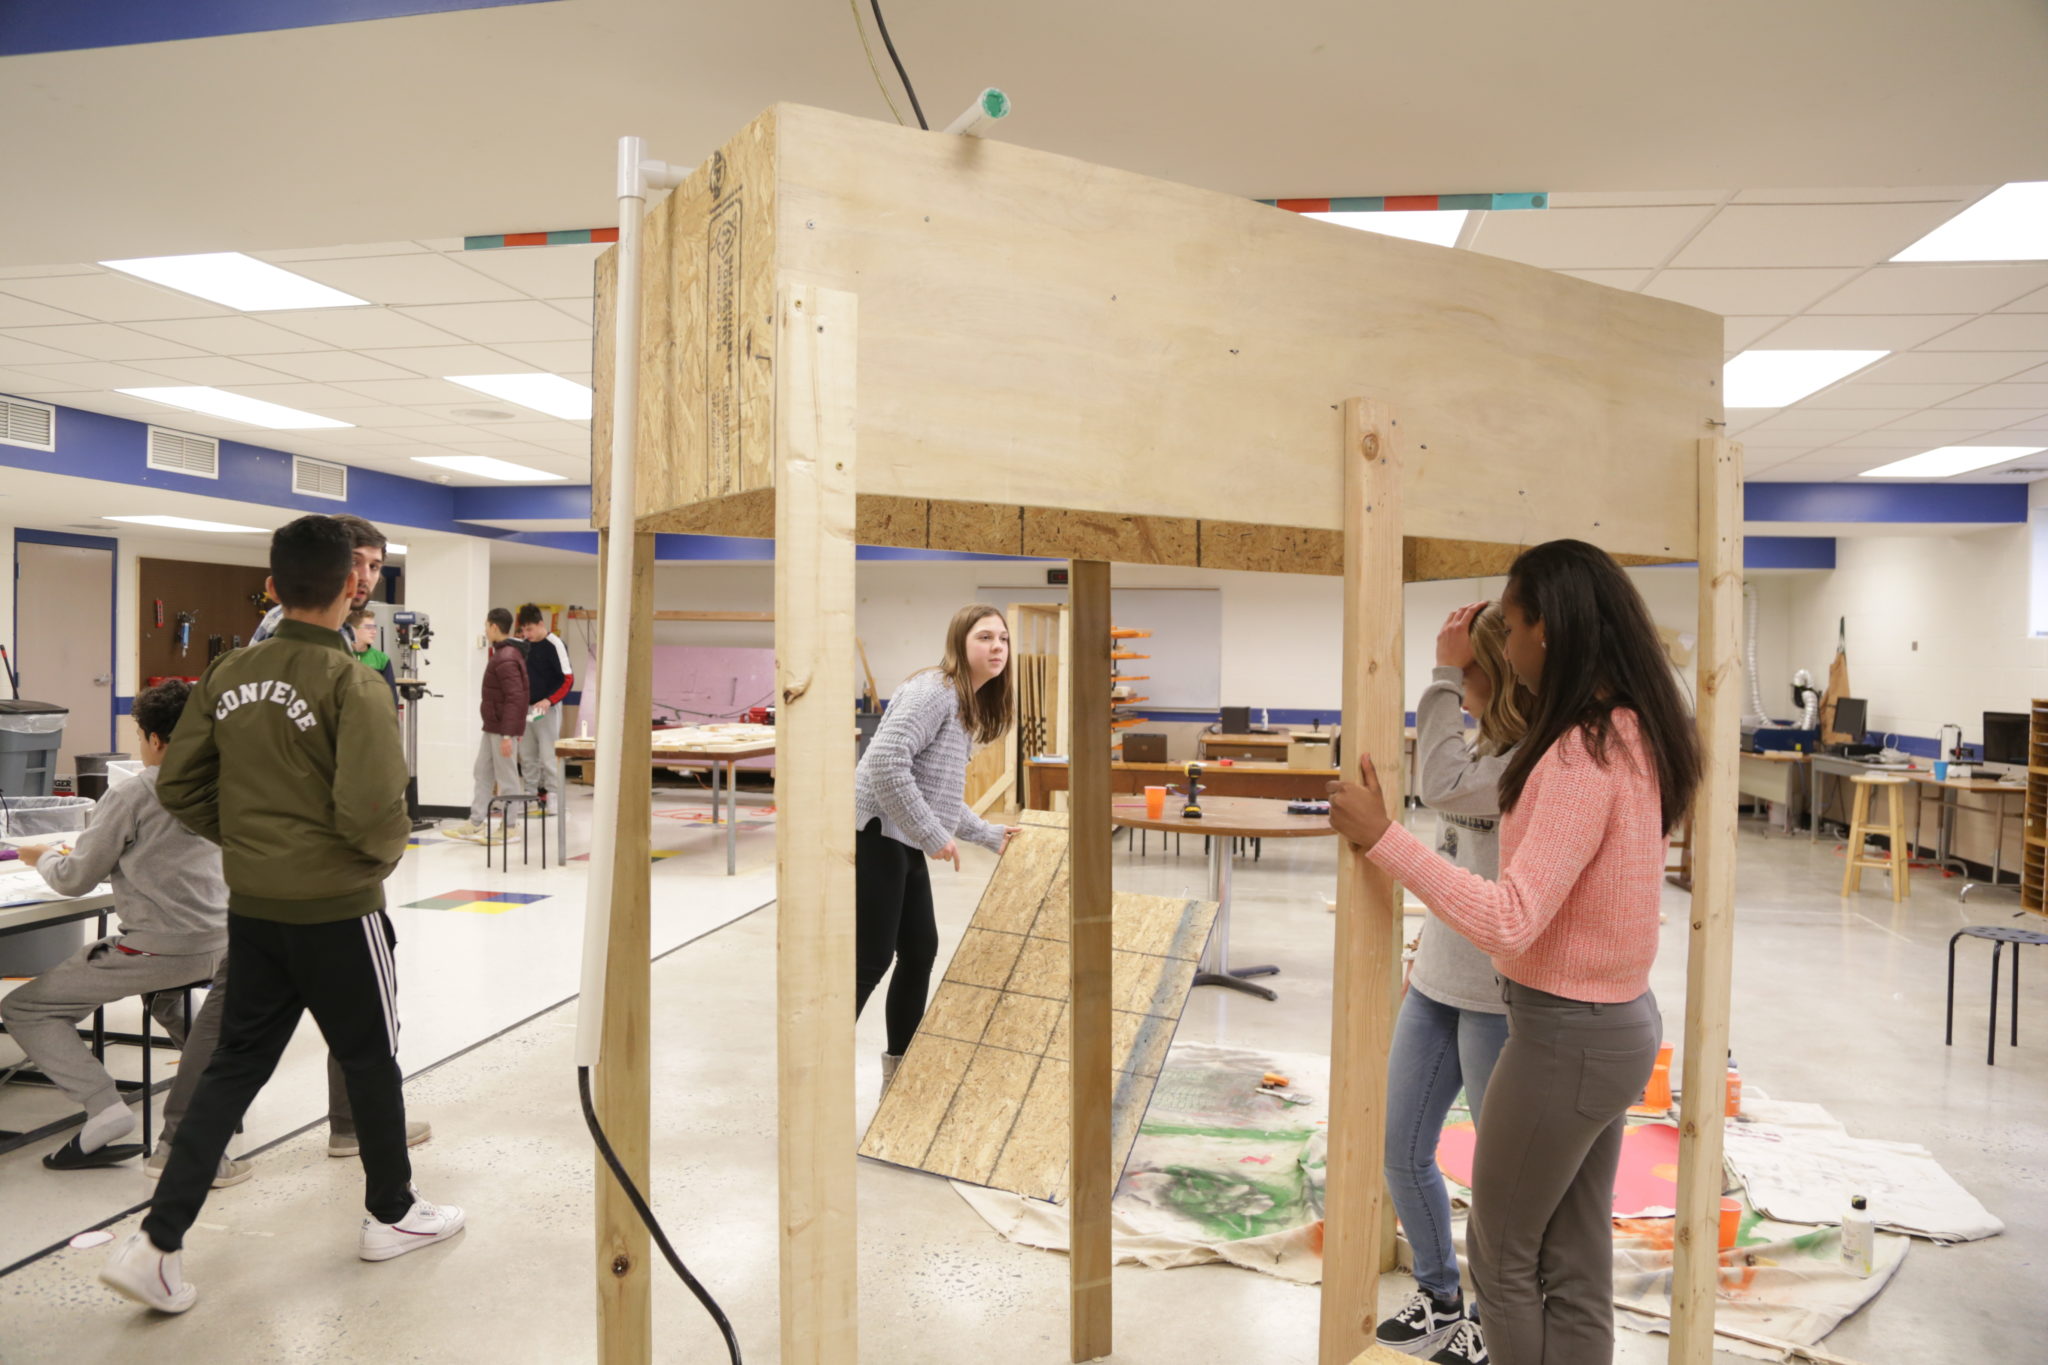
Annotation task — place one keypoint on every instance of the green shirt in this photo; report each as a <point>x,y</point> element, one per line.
<point>373,658</point>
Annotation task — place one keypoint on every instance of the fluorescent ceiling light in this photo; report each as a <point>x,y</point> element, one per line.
<point>1949,460</point>
<point>236,280</point>
<point>392,547</point>
<point>548,393</point>
<point>1774,379</point>
<point>235,407</point>
<point>2008,224</point>
<point>1439,227</point>
<point>187,524</point>
<point>483,466</point>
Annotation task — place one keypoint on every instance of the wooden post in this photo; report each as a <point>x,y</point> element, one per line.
<point>1710,952</point>
<point>625,1321</point>
<point>815,687</point>
<point>1090,1181</point>
<point>1368,902</point>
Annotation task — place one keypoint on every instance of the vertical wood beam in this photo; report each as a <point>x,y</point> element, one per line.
<point>815,686</point>
<point>1090,1181</point>
<point>1710,950</point>
<point>1368,902</point>
<point>625,1305</point>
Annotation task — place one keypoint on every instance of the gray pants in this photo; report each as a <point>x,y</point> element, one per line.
<point>494,771</point>
<point>199,1048</point>
<point>539,769</point>
<point>1541,1235</point>
<point>44,1015</point>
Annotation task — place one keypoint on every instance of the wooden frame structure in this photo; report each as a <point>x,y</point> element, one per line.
<point>1058,359</point>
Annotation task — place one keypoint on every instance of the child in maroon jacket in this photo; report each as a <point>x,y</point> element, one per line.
<point>504,716</point>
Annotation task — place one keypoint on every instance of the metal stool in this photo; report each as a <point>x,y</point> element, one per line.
<point>1899,863</point>
<point>148,1004</point>
<point>1999,936</point>
<point>502,805</point>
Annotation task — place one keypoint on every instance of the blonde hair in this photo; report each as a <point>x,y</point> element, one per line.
<point>985,711</point>
<point>1504,719</point>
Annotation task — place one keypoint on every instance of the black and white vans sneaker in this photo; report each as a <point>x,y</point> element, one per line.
<point>1422,1325</point>
<point>1466,1347</point>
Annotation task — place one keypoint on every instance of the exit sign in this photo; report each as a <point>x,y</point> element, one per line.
<point>1056,578</point>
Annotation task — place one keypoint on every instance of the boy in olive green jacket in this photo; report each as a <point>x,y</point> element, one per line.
<point>288,757</point>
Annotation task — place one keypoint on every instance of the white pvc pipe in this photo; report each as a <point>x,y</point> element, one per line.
<point>614,619</point>
<point>990,105</point>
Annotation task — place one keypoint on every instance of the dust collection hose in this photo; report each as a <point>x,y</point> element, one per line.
<point>1757,715</point>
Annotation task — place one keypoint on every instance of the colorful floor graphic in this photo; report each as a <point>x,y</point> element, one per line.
<point>476,902</point>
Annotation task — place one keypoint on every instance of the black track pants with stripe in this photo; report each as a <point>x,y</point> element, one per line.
<point>346,974</point>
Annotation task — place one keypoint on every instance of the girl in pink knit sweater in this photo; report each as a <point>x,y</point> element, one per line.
<point>1609,766</point>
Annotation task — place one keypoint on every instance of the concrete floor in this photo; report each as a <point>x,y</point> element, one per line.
<point>1837,1002</point>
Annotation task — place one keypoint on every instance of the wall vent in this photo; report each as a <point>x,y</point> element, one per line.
<point>180,452</point>
<point>319,479</point>
<point>23,423</point>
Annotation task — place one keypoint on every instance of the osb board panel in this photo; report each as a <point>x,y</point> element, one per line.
<point>1040,332</point>
<point>891,521</point>
<point>982,1092</point>
<point>707,298</point>
<point>743,514</point>
<point>1059,534</point>
<point>1271,549</point>
<point>981,527</point>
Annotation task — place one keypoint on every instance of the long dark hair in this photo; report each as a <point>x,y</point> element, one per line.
<point>987,711</point>
<point>1601,654</point>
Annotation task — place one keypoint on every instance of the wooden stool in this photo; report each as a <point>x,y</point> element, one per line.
<point>1899,864</point>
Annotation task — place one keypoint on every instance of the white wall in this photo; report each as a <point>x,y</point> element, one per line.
<point>449,577</point>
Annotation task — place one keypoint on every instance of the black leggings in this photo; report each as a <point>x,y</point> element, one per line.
<point>893,920</point>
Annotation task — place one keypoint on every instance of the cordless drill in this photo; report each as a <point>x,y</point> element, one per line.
<point>1193,809</point>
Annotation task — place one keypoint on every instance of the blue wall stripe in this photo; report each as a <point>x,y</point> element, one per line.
<point>70,25</point>
<point>1788,552</point>
<point>1885,502</point>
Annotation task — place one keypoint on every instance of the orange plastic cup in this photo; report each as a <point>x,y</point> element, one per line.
<point>1731,1221</point>
<point>1155,802</point>
<point>1657,1095</point>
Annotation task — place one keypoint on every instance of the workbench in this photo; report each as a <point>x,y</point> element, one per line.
<point>1043,777</point>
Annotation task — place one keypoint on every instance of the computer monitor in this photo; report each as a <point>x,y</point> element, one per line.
<point>1852,718</point>
<point>2005,744</point>
<point>1237,720</point>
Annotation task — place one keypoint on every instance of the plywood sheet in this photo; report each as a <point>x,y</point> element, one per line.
<point>982,1092</point>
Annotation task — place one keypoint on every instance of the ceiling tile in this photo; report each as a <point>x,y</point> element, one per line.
<point>1623,199</point>
<point>326,367</point>
<point>357,329</point>
<point>19,312</point>
<point>1997,332</point>
<point>546,272</point>
<point>1907,435</point>
<point>414,392</point>
<point>1811,235</point>
<point>215,370</point>
<point>1954,419</point>
<point>2038,375</point>
<point>317,398</point>
<point>1867,395</point>
<point>330,253</point>
<point>492,323</point>
<point>1832,419</point>
<point>1613,279</point>
<point>424,278</point>
<point>97,374</point>
<point>1927,288</point>
<point>107,297</point>
<point>1815,333</point>
<point>1925,367</point>
<point>1740,334</point>
<point>26,385</point>
<point>556,356</point>
<point>2036,302</point>
<point>2004,396</point>
<point>436,361</point>
<point>352,436</point>
<point>230,336</point>
<point>1746,291</point>
<point>386,416</point>
<point>1586,238</point>
<point>16,351</point>
<point>1740,419</point>
<point>106,341</point>
<point>583,310</point>
<point>38,272</point>
<point>1954,195</point>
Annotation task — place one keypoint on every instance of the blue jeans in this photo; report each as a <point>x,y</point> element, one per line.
<point>1437,1049</point>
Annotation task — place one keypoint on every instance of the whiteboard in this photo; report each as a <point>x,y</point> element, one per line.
<point>1186,667</point>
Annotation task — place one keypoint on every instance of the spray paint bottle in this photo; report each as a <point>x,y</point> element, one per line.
<point>1859,1238</point>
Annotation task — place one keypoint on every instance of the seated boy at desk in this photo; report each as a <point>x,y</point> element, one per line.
<point>173,906</point>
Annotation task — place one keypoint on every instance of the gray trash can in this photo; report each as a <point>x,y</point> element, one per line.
<point>31,732</point>
<point>91,770</point>
<point>38,950</point>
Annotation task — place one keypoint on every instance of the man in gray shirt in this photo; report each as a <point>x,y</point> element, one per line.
<point>173,906</point>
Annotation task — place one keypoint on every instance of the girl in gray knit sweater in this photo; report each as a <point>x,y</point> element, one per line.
<point>1452,1023</point>
<point>909,805</point>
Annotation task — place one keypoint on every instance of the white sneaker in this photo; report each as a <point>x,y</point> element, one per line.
<point>423,1225</point>
<point>231,1172</point>
<point>152,1278</point>
<point>462,829</point>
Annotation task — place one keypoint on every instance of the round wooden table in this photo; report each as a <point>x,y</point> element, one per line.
<point>1224,818</point>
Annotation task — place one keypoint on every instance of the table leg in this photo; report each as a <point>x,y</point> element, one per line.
<point>732,818</point>
<point>714,793</point>
<point>1997,882</point>
<point>1812,801</point>
<point>1215,968</point>
<point>1942,857</point>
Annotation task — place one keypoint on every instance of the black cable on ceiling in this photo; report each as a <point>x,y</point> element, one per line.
<point>883,26</point>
